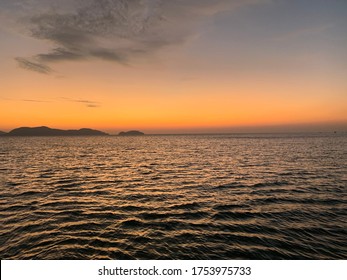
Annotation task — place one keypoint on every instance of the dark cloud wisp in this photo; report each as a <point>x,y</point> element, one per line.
<point>116,30</point>
<point>33,66</point>
<point>88,103</point>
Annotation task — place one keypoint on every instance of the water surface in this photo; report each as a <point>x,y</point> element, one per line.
<point>174,197</point>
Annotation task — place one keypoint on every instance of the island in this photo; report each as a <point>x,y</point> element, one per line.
<point>131,133</point>
<point>46,131</point>
<point>2,133</point>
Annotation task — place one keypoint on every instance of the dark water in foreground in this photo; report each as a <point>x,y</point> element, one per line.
<point>174,197</point>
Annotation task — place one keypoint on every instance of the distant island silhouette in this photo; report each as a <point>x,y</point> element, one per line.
<point>131,133</point>
<point>46,131</point>
<point>2,133</point>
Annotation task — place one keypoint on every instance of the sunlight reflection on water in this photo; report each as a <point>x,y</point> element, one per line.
<point>174,197</point>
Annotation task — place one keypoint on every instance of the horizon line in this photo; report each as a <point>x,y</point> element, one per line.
<point>240,130</point>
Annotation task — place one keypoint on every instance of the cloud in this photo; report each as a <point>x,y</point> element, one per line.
<point>116,30</point>
<point>59,54</point>
<point>33,66</point>
<point>88,103</point>
<point>110,55</point>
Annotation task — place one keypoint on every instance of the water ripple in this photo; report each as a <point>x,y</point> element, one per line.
<point>174,197</point>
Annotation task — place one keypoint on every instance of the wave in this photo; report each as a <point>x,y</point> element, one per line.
<point>177,197</point>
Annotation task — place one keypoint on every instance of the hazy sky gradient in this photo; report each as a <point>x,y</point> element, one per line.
<point>174,66</point>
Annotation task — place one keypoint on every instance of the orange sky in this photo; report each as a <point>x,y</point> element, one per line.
<point>219,74</point>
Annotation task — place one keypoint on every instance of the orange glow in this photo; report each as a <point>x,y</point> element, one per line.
<point>147,99</point>
<point>223,66</point>
<point>147,108</point>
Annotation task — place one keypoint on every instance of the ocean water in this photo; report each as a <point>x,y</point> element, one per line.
<point>174,197</point>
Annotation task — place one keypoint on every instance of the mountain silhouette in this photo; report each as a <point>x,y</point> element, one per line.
<point>46,131</point>
<point>131,133</point>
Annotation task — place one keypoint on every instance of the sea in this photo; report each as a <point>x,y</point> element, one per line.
<point>231,196</point>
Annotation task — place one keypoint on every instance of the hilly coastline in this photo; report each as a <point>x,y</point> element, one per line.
<point>131,133</point>
<point>46,131</point>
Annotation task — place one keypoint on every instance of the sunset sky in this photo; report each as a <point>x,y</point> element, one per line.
<point>166,66</point>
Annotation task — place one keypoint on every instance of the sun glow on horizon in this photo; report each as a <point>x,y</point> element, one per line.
<point>227,65</point>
